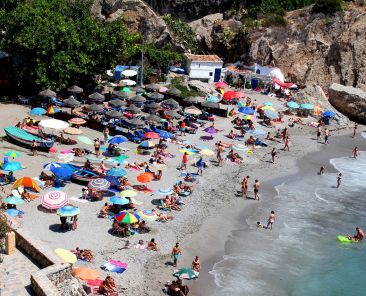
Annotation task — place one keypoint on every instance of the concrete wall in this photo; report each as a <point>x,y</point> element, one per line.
<point>202,70</point>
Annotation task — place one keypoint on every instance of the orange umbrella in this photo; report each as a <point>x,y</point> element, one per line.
<point>28,183</point>
<point>85,273</point>
<point>145,177</point>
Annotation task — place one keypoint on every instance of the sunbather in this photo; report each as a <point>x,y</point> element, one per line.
<point>86,254</point>
<point>152,245</point>
<point>104,211</point>
<point>108,287</point>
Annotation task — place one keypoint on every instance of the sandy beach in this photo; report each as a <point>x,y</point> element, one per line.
<point>203,226</point>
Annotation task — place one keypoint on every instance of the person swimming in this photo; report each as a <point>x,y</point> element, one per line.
<point>358,236</point>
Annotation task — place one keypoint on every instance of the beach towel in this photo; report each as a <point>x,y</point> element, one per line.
<point>114,266</point>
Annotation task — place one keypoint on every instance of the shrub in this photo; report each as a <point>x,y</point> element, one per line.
<point>274,20</point>
<point>4,228</point>
<point>328,6</point>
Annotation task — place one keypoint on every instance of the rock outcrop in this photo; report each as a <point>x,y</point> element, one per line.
<point>349,100</point>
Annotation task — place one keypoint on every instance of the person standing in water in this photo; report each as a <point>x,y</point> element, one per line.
<point>355,152</point>
<point>273,154</point>
<point>271,220</point>
<point>286,144</point>
<point>244,186</point>
<point>339,180</point>
<point>319,133</point>
<point>326,136</point>
<point>322,169</point>
<point>354,130</point>
<point>256,189</point>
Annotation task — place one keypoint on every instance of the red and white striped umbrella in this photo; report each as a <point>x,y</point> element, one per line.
<point>77,120</point>
<point>54,200</point>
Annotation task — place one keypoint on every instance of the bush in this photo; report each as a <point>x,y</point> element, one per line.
<point>328,6</point>
<point>4,228</point>
<point>274,20</point>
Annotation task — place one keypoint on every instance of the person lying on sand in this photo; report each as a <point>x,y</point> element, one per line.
<point>86,254</point>
<point>104,211</point>
<point>108,287</point>
<point>162,217</point>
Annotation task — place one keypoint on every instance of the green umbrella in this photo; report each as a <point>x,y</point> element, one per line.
<point>126,89</point>
<point>186,274</point>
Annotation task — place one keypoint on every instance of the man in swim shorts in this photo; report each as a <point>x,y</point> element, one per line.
<point>358,236</point>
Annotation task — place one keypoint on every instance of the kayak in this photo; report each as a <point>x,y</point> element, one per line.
<point>344,239</point>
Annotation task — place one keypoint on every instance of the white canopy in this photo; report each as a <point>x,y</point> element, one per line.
<point>53,124</point>
<point>128,82</point>
<point>129,73</point>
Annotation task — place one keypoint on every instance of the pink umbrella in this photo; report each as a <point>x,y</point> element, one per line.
<point>220,84</point>
<point>163,89</point>
<point>54,200</point>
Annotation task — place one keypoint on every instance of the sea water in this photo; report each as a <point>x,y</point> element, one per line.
<point>301,255</point>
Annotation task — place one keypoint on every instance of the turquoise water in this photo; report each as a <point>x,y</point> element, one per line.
<point>301,255</point>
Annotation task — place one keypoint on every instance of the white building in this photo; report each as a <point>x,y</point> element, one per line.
<point>204,67</point>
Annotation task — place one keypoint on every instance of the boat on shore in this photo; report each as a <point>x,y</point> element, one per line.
<point>20,136</point>
<point>84,176</point>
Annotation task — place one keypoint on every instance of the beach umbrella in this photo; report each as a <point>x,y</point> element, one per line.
<point>116,172</point>
<point>12,166</point>
<point>136,122</point>
<point>207,152</point>
<point>165,191</point>
<point>186,274</point>
<point>121,158</point>
<point>94,108</point>
<point>210,105</point>
<point>155,96</point>
<point>117,103</point>
<point>307,106</point>
<point>52,110</point>
<point>65,157</point>
<point>166,135</point>
<point>66,255</point>
<point>128,82</point>
<point>73,131</point>
<point>148,215</point>
<point>268,104</point>
<point>193,111</point>
<point>27,182</point>
<point>270,114</point>
<point>152,118</point>
<point>13,200</point>
<point>99,184</point>
<point>173,114</point>
<point>170,103</point>
<point>145,177</point>
<point>72,102</point>
<point>127,217</point>
<point>129,73</point>
<point>47,93</point>
<point>126,89</point>
<point>293,105</point>
<point>75,89</point>
<point>174,91</point>
<point>220,84</point>
<point>118,139</point>
<point>116,200</point>
<point>51,166</point>
<point>68,211</point>
<point>229,95</point>
<point>77,120</point>
<point>193,100</point>
<point>147,144</point>
<point>246,110</point>
<point>133,109</point>
<point>151,135</point>
<point>153,86</point>
<point>12,153</point>
<point>128,193</point>
<point>38,111</point>
<point>210,130</point>
<point>85,140</point>
<point>84,273</point>
<point>212,99</point>
<point>249,117</point>
<point>97,97</point>
<point>62,173</point>
<point>114,114</point>
<point>54,200</point>
<point>153,105</point>
<point>53,124</point>
<point>139,90</point>
<point>163,89</point>
<point>329,113</point>
<point>138,99</point>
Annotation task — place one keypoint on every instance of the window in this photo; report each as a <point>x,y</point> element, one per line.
<point>199,65</point>
<point>211,73</point>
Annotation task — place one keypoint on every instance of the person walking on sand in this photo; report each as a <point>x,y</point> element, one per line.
<point>271,220</point>
<point>319,133</point>
<point>196,264</point>
<point>273,154</point>
<point>339,180</point>
<point>184,161</point>
<point>355,152</point>
<point>326,136</point>
<point>106,134</point>
<point>176,253</point>
<point>34,148</point>
<point>355,130</point>
<point>97,147</point>
<point>322,169</point>
<point>219,155</point>
<point>256,189</point>
<point>287,144</point>
<point>285,133</point>
<point>200,164</point>
<point>244,186</point>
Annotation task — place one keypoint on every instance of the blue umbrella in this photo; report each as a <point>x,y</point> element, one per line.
<point>212,99</point>
<point>268,104</point>
<point>293,105</point>
<point>12,166</point>
<point>165,135</point>
<point>307,106</point>
<point>62,173</point>
<point>246,110</point>
<point>51,166</point>
<point>38,111</point>
<point>329,113</point>
<point>14,212</point>
<point>13,200</point>
<point>118,140</point>
<point>116,200</point>
<point>270,114</point>
<point>68,211</point>
<point>116,172</point>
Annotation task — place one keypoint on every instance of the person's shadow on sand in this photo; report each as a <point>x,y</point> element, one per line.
<point>169,263</point>
<point>57,228</point>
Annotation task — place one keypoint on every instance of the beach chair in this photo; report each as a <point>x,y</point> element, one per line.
<point>155,129</point>
<point>133,138</point>
<point>140,134</point>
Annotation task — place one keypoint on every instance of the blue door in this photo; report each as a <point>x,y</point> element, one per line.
<point>217,75</point>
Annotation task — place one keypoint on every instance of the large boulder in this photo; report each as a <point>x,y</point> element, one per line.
<point>349,100</point>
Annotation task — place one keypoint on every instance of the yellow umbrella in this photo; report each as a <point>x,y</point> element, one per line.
<point>128,193</point>
<point>66,255</point>
<point>207,152</point>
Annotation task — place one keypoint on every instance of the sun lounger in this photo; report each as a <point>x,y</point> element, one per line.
<point>133,138</point>
<point>140,134</point>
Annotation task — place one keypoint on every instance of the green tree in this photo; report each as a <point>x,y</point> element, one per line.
<point>58,42</point>
<point>328,6</point>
